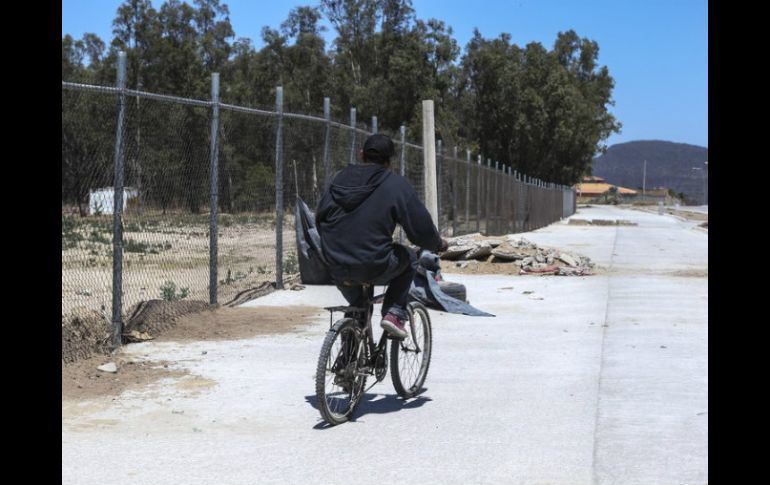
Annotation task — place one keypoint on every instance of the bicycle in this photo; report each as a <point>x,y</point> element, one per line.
<point>349,357</point>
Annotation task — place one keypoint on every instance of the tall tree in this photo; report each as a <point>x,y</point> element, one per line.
<point>135,31</point>
<point>214,30</point>
<point>544,112</point>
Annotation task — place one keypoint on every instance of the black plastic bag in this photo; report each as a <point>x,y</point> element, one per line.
<point>313,268</point>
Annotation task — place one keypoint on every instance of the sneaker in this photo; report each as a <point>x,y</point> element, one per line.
<point>391,324</point>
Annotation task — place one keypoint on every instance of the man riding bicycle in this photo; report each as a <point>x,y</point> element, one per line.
<point>356,218</point>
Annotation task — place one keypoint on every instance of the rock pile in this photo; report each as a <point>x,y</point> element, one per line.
<point>511,249</point>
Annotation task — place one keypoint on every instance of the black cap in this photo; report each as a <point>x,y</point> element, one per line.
<point>378,148</point>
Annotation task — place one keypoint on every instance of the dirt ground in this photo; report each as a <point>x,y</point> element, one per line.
<point>84,333</point>
<point>81,380</point>
<point>499,268</point>
<point>239,323</point>
<point>692,273</point>
<point>481,267</point>
<point>172,247</point>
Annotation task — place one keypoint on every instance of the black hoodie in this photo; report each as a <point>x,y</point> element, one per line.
<point>358,213</point>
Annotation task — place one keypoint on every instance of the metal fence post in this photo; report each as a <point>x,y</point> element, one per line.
<point>530,216</point>
<point>352,135</point>
<point>501,199</point>
<point>374,124</point>
<point>214,209</point>
<point>454,191</point>
<point>573,200</point>
<point>535,204</point>
<point>505,202</point>
<point>327,140</point>
<point>466,222</point>
<point>440,183</point>
<point>279,190</point>
<point>478,193</point>
<point>496,197</point>
<point>402,166</point>
<point>488,194</point>
<point>117,213</point>
<point>515,200</point>
<point>524,202</point>
<point>512,198</point>
<point>506,206</point>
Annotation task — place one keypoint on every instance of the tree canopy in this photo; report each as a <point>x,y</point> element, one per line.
<point>543,112</point>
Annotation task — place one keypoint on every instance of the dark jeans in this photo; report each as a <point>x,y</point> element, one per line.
<point>398,276</point>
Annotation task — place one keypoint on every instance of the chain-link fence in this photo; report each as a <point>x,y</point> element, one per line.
<point>168,197</point>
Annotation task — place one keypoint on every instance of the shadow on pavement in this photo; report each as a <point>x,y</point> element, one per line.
<point>375,404</point>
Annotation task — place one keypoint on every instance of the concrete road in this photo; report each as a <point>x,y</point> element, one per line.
<point>587,380</point>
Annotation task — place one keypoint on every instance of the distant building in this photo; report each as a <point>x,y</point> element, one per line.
<point>593,188</point>
<point>101,201</point>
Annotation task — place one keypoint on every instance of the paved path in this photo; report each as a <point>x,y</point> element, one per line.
<point>602,381</point>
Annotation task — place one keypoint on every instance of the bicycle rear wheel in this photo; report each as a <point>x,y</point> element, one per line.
<point>339,383</point>
<point>410,357</point>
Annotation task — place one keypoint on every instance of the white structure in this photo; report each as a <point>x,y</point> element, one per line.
<point>101,201</point>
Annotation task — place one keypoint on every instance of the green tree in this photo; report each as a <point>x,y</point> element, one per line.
<point>544,112</point>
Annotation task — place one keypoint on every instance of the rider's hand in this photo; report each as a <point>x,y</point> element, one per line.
<point>444,246</point>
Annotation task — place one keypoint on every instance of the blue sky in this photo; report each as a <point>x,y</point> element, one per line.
<point>656,50</point>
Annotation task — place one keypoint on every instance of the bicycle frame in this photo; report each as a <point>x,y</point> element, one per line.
<point>380,347</point>
<point>369,300</point>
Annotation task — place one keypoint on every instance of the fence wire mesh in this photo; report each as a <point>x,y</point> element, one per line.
<point>88,150</point>
<point>167,214</point>
<point>246,226</point>
<point>166,219</point>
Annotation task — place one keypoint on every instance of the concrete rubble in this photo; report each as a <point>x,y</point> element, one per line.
<point>110,367</point>
<point>512,249</point>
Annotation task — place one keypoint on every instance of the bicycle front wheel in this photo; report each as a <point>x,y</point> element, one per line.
<point>410,357</point>
<point>340,382</point>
